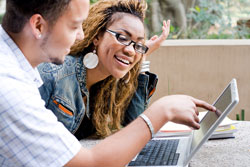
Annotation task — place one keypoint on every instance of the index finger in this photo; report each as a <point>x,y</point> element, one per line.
<point>203,104</point>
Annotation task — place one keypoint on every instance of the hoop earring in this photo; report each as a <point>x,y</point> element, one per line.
<point>90,60</point>
<point>127,78</point>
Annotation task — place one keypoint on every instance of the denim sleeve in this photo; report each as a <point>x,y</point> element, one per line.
<point>146,87</point>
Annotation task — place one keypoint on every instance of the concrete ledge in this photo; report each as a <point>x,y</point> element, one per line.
<point>209,42</point>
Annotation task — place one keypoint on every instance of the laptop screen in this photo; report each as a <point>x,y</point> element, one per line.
<point>210,118</point>
<point>224,105</point>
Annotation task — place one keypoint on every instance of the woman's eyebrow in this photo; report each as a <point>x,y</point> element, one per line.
<point>129,34</point>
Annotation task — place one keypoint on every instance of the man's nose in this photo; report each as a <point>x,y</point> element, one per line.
<point>80,35</point>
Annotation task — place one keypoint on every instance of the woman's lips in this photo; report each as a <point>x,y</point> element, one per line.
<point>124,61</point>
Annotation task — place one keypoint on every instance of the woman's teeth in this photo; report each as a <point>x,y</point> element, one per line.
<point>122,60</point>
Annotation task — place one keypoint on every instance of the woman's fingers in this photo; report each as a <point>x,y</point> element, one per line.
<point>192,122</point>
<point>155,41</point>
<point>165,30</point>
<point>154,37</point>
<point>196,118</point>
<point>196,125</point>
<point>203,104</point>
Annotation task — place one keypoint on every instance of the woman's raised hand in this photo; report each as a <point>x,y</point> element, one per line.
<point>155,41</point>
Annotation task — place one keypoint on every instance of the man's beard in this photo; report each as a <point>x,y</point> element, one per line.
<point>54,60</point>
<point>57,61</point>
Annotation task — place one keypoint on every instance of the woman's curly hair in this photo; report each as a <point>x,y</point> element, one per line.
<point>109,98</point>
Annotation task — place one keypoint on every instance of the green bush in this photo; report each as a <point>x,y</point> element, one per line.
<point>93,1</point>
<point>219,17</point>
<point>1,17</point>
<point>208,15</point>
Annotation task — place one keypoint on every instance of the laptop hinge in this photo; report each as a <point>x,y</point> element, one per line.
<point>188,153</point>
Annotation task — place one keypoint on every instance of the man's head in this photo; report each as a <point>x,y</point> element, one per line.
<point>46,28</point>
<point>18,12</point>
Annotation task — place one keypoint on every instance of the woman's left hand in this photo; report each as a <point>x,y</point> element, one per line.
<point>155,41</point>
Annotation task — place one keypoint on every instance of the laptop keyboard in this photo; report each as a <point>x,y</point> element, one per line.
<point>157,152</point>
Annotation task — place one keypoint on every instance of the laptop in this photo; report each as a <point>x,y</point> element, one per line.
<point>178,151</point>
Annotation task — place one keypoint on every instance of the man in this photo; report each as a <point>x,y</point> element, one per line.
<point>42,31</point>
<point>33,32</point>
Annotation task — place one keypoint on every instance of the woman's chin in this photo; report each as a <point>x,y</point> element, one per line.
<point>119,76</point>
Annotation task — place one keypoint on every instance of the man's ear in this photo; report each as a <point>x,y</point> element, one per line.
<point>38,25</point>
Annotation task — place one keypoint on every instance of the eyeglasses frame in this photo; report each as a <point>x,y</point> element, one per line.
<point>116,34</point>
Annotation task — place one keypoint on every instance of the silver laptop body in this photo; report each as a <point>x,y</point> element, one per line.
<point>189,145</point>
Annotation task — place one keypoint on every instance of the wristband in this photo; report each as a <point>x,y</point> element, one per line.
<point>149,124</point>
<point>144,66</point>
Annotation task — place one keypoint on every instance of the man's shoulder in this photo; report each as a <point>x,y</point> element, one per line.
<point>16,84</point>
<point>6,56</point>
<point>12,73</point>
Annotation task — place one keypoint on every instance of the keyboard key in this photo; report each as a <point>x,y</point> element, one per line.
<point>157,152</point>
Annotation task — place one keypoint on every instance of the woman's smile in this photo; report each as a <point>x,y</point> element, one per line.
<point>122,60</point>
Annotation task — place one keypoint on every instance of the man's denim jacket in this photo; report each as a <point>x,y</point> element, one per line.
<point>64,85</point>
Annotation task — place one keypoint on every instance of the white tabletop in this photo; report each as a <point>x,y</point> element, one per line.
<point>221,153</point>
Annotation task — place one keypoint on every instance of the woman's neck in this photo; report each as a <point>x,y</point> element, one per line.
<point>94,76</point>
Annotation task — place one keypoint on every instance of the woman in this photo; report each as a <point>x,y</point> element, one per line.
<point>98,99</point>
<point>100,88</point>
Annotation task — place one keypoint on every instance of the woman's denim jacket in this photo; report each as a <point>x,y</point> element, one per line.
<point>64,85</point>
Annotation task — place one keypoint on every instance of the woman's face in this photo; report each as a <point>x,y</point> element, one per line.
<point>115,58</point>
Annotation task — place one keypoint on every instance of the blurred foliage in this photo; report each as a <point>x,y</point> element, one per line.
<point>93,1</point>
<point>1,17</point>
<point>210,21</point>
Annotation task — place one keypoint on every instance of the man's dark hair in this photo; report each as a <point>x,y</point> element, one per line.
<point>18,12</point>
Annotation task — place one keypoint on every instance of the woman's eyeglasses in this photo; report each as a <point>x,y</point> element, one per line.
<point>125,40</point>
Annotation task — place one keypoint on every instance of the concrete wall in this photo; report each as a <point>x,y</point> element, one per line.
<point>203,68</point>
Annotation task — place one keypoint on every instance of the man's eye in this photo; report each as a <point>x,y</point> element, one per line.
<point>74,27</point>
